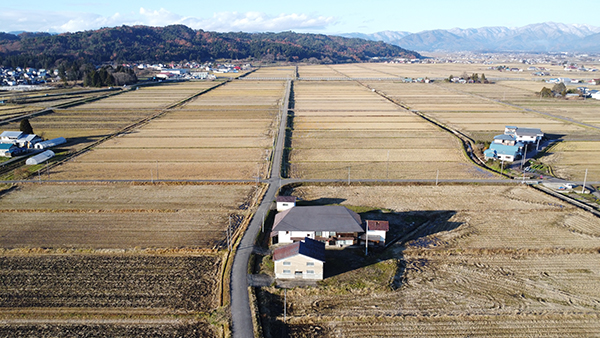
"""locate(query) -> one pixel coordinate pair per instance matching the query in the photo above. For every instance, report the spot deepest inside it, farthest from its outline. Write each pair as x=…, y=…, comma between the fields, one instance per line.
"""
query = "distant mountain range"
x=541, y=37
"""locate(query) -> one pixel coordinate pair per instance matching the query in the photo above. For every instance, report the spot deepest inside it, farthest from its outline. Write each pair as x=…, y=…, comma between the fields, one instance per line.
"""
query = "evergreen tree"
x=26, y=127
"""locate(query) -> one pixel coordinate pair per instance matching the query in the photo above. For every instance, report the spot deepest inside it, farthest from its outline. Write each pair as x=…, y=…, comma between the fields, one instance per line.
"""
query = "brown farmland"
x=486, y=261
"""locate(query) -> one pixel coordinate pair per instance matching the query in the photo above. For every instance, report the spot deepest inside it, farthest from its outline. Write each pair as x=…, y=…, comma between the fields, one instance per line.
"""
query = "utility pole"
x=584, y=179
x=437, y=176
x=387, y=170
x=348, y=175
x=262, y=227
x=502, y=167
x=367, y=238
x=284, y=305
x=151, y=177
x=524, y=156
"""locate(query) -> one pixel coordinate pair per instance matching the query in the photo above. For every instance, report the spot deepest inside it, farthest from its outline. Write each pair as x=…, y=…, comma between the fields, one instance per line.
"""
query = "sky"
x=307, y=16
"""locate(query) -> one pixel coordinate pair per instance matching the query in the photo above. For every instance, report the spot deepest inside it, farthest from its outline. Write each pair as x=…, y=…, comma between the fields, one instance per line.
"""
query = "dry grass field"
x=500, y=261
x=317, y=71
x=85, y=124
x=226, y=133
x=475, y=115
x=131, y=260
x=119, y=215
x=273, y=72
x=571, y=159
x=343, y=128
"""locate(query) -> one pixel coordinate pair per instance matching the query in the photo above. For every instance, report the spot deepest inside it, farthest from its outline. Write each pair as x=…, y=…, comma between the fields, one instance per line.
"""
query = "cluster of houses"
x=510, y=145
x=301, y=234
x=15, y=143
x=25, y=76
x=567, y=81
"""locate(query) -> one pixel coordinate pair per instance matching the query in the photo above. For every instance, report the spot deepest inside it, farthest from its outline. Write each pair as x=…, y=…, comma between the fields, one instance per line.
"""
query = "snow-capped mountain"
x=541, y=37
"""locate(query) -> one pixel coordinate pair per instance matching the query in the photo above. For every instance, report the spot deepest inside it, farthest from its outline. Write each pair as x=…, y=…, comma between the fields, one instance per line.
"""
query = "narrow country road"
x=241, y=316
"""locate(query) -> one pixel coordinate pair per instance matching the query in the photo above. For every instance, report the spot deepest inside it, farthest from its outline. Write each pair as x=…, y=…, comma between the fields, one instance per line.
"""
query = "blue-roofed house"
x=9, y=150
x=504, y=152
x=304, y=260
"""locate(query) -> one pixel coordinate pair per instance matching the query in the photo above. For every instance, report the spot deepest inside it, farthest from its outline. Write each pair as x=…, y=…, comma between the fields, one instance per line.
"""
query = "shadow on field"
x=416, y=226
x=73, y=141
x=320, y=201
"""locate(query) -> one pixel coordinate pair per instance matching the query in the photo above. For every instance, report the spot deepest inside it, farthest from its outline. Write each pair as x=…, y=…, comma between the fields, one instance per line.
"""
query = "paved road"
x=241, y=316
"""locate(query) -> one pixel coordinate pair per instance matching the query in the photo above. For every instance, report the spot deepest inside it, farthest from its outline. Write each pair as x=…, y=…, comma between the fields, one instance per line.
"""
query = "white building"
x=377, y=231
x=332, y=224
x=285, y=202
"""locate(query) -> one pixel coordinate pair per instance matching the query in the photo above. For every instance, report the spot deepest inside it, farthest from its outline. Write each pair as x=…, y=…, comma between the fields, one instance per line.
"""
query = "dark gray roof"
x=529, y=132
x=309, y=247
x=286, y=198
x=318, y=218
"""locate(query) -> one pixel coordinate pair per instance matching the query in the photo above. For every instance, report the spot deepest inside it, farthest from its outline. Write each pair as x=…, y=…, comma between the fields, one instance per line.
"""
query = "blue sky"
x=301, y=16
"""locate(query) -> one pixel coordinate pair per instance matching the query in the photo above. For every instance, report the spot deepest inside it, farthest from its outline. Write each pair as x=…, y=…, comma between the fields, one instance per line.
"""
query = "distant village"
x=21, y=78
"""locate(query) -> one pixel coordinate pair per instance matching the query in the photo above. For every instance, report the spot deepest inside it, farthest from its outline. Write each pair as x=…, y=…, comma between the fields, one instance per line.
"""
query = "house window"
x=310, y=263
x=287, y=271
x=332, y=233
x=310, y=272
x=319, y=233
x=287, y=263
x=285, y=204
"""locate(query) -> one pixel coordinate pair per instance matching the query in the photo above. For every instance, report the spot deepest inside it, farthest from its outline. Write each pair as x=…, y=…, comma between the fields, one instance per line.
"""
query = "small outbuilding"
x=40, y=158
x=285, y=202
x=376, y=231
x=303, y=260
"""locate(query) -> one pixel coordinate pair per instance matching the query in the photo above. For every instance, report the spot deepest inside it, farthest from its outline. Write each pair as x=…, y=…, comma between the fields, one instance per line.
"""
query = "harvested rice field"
x=343, y=129
x=130, y=260
x=500, y=261
x=477, y=116
x=122, y=216
x=226, y=133
x=319, y=71
x=570, y=160
x=285, y=72
x=88, y=123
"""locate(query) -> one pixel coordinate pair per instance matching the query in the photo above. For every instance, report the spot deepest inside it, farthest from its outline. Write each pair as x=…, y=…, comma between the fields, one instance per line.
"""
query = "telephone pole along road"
x=241, y=316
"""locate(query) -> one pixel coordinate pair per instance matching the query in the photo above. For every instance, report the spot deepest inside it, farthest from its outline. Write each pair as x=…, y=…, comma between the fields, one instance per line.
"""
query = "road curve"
x=241, y=316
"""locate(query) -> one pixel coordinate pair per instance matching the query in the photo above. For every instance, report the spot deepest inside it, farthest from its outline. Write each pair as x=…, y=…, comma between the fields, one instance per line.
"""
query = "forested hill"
x=178, y=42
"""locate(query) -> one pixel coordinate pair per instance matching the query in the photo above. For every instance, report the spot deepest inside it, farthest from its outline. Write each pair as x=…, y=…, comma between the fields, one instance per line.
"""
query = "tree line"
x=179, y=43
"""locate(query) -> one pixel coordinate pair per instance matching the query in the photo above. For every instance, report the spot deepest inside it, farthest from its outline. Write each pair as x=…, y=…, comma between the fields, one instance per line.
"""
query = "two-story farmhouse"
x=304, y=259
x=332, y=224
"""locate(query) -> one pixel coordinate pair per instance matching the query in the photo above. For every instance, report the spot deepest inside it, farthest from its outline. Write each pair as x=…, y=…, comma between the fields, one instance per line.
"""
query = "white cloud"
x=15, y=20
